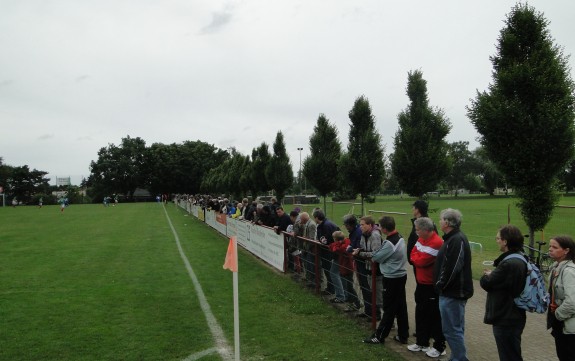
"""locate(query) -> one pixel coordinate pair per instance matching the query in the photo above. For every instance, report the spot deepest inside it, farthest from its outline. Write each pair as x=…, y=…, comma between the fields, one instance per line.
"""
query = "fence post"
x=317, y=267
x=373, y=295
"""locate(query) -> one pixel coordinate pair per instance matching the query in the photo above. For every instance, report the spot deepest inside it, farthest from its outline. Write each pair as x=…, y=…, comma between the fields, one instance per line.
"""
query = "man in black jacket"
x=453, y=282
x=282, y=220
x=325, y=229
x=419, y=209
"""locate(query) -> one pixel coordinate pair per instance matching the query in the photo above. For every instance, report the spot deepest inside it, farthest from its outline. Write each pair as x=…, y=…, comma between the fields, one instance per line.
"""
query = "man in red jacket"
x=427, y=316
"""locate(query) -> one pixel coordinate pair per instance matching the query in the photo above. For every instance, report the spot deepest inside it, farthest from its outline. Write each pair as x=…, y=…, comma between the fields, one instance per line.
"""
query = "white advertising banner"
x=261, y=241
x=211, y=218
x=268, y=245
x=240, y=229
x=195, y=210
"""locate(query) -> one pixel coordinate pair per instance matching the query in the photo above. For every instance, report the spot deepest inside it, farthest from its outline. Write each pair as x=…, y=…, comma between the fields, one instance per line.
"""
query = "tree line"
x=28, y=186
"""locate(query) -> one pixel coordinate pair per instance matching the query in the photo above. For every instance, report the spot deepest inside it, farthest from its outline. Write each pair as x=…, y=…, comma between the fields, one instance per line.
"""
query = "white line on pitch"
x=222, y=346
x=199, y=355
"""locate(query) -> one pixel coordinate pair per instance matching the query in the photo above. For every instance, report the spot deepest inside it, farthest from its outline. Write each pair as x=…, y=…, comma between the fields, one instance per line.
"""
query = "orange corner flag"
x=231, y=261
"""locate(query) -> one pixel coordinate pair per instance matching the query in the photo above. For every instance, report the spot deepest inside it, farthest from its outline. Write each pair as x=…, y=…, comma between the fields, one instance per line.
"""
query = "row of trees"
x=194, y=167
x=21, y=182
x=190, y=167
x=28, y=186
x=160, y=168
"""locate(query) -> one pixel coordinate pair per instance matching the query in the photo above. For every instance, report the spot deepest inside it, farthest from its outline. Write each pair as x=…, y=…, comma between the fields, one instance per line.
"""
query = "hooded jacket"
x=370, y=242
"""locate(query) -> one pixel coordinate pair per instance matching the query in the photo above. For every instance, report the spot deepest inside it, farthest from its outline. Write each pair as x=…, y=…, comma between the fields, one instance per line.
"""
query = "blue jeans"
x=453, y=324
x=508, y=340
x=338, y=286
x=364, y=278
x=350, y=294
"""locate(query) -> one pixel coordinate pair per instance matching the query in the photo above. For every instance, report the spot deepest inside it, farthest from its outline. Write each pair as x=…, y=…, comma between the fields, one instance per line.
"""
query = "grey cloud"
x=81, y=78
x=219, y=20
x=46, y=137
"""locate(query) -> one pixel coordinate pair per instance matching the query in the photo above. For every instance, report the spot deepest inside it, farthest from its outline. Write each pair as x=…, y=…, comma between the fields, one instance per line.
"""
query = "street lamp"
x=300, y=149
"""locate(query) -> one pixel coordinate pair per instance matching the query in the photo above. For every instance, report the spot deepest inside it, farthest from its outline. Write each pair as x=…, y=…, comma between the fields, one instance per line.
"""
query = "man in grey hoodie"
x=392, y=260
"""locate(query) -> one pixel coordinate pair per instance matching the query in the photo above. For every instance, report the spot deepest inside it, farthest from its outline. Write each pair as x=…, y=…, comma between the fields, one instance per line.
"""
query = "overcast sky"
x=76, y=76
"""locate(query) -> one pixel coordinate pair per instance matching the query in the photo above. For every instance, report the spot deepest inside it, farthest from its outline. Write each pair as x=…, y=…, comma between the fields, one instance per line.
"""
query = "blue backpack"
x=534, y=297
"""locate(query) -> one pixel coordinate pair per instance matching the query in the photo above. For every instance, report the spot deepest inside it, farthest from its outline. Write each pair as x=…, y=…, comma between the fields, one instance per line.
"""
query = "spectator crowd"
x=364, y=268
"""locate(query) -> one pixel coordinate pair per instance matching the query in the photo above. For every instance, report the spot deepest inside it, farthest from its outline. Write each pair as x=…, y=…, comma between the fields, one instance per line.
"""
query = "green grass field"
x=97, y=283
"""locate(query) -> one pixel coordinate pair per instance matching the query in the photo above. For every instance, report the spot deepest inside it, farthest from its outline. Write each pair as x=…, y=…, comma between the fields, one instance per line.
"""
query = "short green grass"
x=97, y=283
x=93, y=283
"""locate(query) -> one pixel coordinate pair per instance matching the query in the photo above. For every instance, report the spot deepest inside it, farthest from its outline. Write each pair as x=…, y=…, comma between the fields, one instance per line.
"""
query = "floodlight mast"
x=300, y=149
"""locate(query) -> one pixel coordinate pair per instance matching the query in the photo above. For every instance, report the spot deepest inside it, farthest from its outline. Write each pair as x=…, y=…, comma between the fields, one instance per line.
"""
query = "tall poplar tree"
x=260, y=159
x=320, y=167
x=525, y=119
x=420, y=161
x=279, y=172
x=362, y=167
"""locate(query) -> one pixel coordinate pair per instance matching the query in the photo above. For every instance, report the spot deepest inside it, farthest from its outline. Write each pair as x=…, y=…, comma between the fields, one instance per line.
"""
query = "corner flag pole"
x=231, y=263
x=236, y=305
x=236, y=316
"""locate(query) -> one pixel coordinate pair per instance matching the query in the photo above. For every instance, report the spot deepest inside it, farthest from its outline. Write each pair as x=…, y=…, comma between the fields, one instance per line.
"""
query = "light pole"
x=300, y=149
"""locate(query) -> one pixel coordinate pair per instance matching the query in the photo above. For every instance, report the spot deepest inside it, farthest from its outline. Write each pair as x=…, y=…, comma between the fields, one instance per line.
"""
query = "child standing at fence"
x=346, y=268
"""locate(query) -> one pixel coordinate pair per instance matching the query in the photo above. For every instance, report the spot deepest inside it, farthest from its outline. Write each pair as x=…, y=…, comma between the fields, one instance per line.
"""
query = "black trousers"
x=394, y=306
x=427, y=317
x=565, y=347
x=508, y=340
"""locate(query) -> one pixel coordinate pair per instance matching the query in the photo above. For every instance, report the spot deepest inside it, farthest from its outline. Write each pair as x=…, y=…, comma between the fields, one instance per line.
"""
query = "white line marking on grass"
x=222, y=346
x=199, y=355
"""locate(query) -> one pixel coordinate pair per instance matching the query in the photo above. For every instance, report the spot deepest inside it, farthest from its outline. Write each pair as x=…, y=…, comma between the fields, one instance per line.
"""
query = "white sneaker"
x=416, y=348
x=434, y=353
